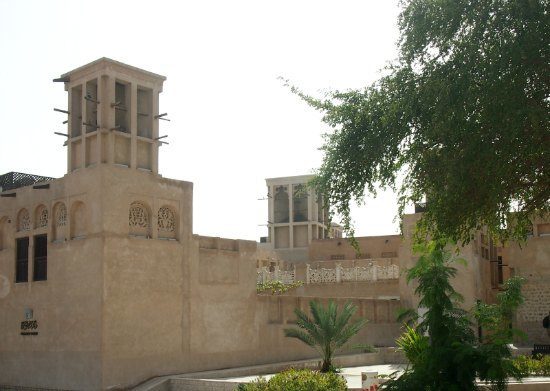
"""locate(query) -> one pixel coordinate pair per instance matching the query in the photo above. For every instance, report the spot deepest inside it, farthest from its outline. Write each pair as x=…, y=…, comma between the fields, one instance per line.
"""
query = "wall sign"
x=29, y=326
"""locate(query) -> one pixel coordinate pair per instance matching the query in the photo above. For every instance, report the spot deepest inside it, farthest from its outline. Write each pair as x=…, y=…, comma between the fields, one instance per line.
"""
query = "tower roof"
x=105, y=62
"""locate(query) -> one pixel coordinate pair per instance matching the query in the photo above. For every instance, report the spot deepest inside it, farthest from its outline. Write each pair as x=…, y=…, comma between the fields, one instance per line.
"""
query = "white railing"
x=330, y=275
x=321, y=276
x=263, y=275
x=347, y=274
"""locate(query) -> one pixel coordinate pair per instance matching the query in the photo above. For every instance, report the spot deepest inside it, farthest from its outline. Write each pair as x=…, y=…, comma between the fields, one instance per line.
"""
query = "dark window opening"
x=22, y=260
x=40, y=258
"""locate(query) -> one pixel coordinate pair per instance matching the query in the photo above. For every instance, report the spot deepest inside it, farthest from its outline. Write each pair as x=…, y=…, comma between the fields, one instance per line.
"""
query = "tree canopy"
x=460, y=119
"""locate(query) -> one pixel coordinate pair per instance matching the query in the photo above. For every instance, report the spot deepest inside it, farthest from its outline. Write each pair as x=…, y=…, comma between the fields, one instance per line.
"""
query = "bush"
x=413, y=344
x=276, y=287
x=298, y=380
x=533, y=366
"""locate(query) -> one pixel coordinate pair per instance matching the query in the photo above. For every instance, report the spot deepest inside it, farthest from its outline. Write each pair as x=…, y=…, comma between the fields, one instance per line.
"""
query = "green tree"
x=460, y=118
x=327, y=330
x=449, y=357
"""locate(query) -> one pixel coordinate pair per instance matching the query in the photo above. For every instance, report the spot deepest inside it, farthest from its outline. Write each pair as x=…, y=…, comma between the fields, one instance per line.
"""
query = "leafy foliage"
x=298, y=380
x=449, y=357
x=277, y=287
x=413, y=344
x=327, y=330
x=407, y=316
x=460, y=119
x=534, y=366
x=495, y=318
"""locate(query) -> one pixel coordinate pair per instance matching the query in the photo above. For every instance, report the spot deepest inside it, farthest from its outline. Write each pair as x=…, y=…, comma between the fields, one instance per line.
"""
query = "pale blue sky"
x=233, y=123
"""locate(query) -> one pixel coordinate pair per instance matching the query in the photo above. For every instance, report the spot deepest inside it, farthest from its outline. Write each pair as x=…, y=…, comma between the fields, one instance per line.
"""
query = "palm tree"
x=327, y=331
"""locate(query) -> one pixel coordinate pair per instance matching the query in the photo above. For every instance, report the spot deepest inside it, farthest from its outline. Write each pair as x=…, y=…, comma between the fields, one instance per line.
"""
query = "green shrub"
x=276, y=287
x=298, y=380
x=413, y=344
x=260, y=384
x=533, y=366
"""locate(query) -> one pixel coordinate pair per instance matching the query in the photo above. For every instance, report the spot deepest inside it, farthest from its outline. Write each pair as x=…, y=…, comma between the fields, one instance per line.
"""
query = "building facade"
x=104, y=285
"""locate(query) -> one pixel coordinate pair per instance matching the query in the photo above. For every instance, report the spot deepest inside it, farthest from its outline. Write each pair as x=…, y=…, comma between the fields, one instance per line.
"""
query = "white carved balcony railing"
x=330, y=275
x=348, y=274
x=320, y=276
x=263, y=275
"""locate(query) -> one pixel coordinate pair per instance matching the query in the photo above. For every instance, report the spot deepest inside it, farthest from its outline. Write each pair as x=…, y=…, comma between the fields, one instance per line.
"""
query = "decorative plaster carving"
x=24, y=222
x=43, y=218
x=345, y=274
x=166, y=220
x=138, y=217
x=61, y=216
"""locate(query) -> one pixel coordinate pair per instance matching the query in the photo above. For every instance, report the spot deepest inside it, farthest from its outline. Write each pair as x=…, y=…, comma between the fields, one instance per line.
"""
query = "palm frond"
x=327, y=329
x=301, y=335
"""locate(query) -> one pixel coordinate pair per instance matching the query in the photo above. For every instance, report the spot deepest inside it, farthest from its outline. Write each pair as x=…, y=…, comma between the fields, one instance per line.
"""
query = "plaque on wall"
x=29, y=327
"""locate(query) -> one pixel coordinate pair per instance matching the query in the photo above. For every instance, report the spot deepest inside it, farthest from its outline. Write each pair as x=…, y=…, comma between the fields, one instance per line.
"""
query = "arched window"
x=166, y=223
x=281, y=205
x=23, y=220
x=59, y=222
x=41, y=217
x=139, y=220
x=79, y=220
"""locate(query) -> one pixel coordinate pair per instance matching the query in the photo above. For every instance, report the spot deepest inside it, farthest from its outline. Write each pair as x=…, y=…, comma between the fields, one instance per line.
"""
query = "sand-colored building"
x=103, y=283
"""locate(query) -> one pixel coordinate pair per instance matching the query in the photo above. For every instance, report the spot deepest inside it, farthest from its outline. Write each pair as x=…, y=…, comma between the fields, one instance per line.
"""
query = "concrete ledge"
x=382, y=356
x=166, y=383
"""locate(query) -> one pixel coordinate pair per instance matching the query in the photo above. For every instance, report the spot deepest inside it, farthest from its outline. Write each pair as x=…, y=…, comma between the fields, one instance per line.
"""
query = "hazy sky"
x=233, y=122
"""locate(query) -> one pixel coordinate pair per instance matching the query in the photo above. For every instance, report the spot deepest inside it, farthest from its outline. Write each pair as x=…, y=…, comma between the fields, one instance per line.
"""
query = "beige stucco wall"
x=468, y=282
x=369, y=247
x=531, y=260
x=67, y=307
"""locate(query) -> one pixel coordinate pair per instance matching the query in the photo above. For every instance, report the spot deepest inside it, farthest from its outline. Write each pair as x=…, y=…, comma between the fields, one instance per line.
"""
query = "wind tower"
x=296, y=216
x=113, y=116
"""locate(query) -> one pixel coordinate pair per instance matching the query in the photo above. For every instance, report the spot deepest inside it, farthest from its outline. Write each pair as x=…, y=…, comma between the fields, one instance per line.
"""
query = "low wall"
x=200, y=381
x=195, y=385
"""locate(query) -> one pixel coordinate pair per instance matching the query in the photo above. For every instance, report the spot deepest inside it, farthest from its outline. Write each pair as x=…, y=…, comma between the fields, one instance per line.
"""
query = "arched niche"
x=166, y=223
x=79, y=220
x=280, y=205
x=41, y=217
x=59, y=222
x=300, y=203
x=23, y=220
x=139, y=219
